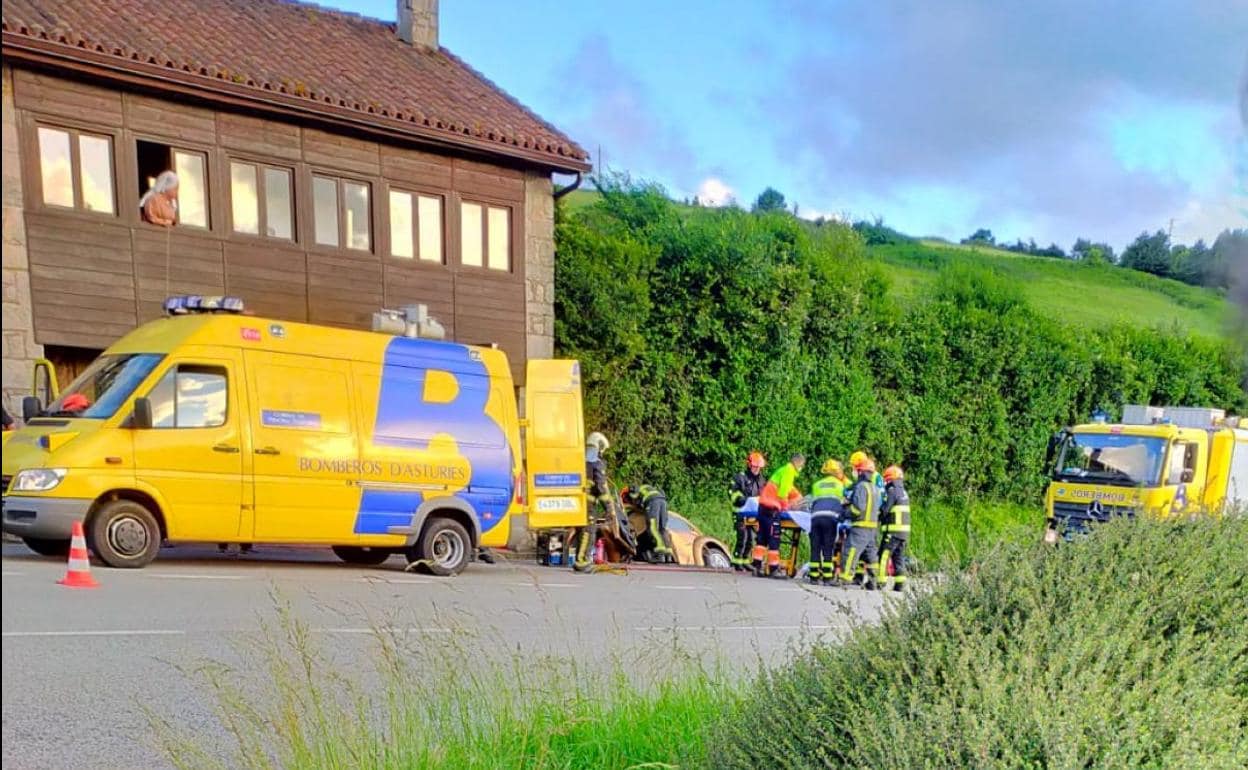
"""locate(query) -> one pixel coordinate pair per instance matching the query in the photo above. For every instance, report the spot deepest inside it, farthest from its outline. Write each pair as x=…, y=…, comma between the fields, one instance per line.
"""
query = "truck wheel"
x=124, y=534
x=47, y=546
x=715, y=559
x=445, y=547
x=352, y=554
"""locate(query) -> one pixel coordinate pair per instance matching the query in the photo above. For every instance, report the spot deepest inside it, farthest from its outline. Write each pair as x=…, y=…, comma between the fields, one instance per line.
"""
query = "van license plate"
x=557, y=505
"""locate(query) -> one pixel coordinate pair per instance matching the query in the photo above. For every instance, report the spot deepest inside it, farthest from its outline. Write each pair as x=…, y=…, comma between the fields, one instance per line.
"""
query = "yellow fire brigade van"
x=210, y=425
x=1162, y=461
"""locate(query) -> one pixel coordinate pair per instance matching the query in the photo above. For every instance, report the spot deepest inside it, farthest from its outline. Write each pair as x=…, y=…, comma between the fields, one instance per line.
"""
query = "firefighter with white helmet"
x=598, y=497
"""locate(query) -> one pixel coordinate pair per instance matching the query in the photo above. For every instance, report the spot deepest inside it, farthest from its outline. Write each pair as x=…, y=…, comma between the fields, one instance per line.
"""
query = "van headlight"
x=37, y=479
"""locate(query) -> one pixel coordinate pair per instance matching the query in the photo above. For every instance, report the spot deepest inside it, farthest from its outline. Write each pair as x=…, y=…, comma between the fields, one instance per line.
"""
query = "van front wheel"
x=124, y=534
x=445, y=547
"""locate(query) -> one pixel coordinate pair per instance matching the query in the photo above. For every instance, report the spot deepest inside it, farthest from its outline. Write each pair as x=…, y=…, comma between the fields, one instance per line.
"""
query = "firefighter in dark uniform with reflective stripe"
x=653, y=501
x=864, y=514
x=826, y=509
x=598, y=501
x=894, y=527
x=746, y=487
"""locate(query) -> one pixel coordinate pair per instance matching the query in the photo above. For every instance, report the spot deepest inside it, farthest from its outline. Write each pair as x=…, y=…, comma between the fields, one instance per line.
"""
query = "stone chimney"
x=418, y=23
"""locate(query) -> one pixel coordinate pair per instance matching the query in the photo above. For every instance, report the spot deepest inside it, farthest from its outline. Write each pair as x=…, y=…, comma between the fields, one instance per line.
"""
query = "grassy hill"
x=1081, y=294
x=1084, y=295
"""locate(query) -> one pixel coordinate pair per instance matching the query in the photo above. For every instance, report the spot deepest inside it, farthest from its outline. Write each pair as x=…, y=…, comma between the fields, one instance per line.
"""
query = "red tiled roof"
x=316, y=58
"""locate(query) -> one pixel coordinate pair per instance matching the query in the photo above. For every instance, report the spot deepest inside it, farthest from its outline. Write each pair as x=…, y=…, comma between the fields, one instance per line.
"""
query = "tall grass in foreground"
x=1126, y=649
x=465, y=700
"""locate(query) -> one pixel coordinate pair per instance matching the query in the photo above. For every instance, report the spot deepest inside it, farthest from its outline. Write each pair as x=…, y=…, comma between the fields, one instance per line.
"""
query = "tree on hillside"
x=1202, y=265
x=1149, y=254
x=877, y=233
x=770, y=199
x=981, y=237
x=1085, y=250
x=1052, y=250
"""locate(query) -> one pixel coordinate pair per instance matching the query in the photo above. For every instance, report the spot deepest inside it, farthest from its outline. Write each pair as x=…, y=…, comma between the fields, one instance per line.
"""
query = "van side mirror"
x=30, y=408
x=141, y=418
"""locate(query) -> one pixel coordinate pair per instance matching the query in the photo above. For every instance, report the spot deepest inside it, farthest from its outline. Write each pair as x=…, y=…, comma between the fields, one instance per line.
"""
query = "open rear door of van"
x=554, y=443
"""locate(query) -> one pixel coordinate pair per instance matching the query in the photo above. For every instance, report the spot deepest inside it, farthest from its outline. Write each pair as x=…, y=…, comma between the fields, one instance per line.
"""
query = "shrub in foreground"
x=1126, y=649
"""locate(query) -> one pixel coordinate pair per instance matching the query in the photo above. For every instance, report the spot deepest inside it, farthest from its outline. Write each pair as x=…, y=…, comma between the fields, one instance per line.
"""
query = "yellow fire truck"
x=1162, y=461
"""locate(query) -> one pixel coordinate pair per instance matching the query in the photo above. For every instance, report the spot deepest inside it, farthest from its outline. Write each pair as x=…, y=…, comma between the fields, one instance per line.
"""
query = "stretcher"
x=793, y=523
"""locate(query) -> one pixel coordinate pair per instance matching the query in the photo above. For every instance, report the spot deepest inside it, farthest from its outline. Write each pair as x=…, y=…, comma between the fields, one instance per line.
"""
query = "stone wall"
x=539, y=265
x=19, y=346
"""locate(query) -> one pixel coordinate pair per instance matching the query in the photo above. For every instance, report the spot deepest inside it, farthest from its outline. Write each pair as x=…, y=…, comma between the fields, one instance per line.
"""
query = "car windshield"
x=1111, y=458
x=105, y=385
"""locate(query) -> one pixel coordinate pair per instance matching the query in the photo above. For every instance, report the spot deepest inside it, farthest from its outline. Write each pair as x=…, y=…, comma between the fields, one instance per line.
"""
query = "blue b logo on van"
x=406, y=420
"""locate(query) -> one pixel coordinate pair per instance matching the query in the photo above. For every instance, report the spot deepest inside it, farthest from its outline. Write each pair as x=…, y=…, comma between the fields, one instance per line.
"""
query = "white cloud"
x=715, y=192
x=1205, y=219
x=831, y=216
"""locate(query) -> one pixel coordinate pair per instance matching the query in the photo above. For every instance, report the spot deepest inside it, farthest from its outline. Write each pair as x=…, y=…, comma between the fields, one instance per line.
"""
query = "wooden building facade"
x=307, y=213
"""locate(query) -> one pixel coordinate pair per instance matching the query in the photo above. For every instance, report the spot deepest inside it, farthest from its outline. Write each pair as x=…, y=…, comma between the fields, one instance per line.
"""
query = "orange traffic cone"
x=78, y=575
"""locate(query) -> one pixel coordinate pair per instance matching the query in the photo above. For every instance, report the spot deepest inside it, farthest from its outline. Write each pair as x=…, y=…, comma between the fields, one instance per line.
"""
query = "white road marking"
x=381, y=629
x=116, y=632
x=8, y=573
x=731, y=628
x=683, y=588
x=186, y=576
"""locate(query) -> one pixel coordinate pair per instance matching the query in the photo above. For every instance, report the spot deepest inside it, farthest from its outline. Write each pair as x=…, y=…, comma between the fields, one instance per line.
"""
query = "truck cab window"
x=190, y=396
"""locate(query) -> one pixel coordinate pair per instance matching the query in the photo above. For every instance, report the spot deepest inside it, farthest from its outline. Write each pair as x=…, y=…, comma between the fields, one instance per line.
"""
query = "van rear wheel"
x=124, y=534
x=353, y=554
x=47, y=546
x=445, y=547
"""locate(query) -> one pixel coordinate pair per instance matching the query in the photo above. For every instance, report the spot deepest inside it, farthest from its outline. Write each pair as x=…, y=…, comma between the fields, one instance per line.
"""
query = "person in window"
x=160, y=204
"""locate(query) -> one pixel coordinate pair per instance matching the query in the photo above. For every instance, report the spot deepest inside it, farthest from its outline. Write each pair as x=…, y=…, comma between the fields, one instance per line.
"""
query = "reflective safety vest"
x=648, y=493
x=828, y=497
x=780, y=491
x=895, y=514
x=865, y=504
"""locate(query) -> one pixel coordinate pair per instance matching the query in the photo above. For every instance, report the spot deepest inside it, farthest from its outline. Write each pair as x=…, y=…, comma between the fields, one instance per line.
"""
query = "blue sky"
x=1044, y=120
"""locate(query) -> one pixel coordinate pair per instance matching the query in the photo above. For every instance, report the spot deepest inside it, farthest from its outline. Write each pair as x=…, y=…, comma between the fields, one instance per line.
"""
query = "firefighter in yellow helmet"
x=826, y=509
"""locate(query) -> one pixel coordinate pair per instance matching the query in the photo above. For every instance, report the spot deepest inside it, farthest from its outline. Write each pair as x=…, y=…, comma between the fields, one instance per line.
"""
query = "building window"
x=192, y=170
x=342, y=202
x=416, y=226
x=76, y=170
x=485, y=236
x=260, y=200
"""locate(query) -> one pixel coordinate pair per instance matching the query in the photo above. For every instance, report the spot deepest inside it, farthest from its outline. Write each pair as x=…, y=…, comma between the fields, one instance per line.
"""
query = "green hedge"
x=705, y=333
x=1119, y=651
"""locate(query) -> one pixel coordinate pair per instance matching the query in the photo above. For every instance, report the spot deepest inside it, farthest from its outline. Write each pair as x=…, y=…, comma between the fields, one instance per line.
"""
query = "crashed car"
x=690, y=547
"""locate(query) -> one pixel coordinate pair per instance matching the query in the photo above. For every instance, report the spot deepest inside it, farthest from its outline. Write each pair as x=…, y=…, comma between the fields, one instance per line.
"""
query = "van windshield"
x=105, y=385
x=1111, y=458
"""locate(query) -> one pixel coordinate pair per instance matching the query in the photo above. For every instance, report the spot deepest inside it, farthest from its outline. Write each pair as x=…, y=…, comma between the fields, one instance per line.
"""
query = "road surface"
x=80, y=665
